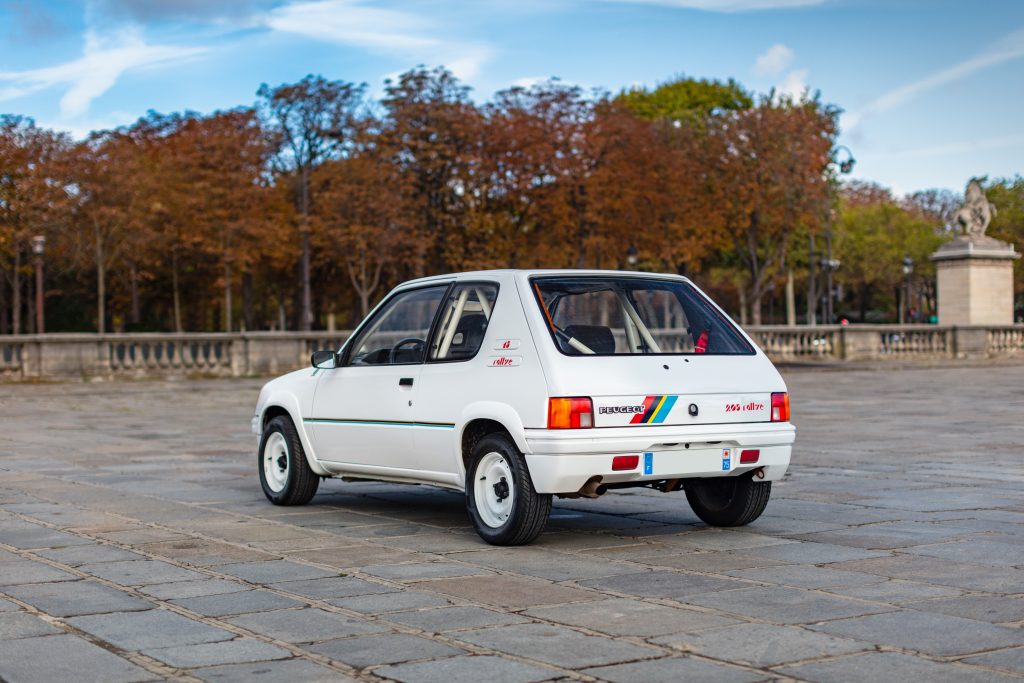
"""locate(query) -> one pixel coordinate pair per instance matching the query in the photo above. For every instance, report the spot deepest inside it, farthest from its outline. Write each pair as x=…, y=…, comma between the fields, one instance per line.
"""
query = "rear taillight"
x=570, y=413
x=780, y=407
x=625, y=462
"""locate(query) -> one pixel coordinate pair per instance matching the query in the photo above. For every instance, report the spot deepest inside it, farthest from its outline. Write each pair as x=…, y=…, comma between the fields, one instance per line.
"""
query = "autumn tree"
x=431, y=132
x=32, y=201
x=309, y=121
x=1008, y=224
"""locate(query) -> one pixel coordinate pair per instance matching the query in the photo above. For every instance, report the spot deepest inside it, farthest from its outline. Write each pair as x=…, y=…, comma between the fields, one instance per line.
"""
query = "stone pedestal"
x=975, y=281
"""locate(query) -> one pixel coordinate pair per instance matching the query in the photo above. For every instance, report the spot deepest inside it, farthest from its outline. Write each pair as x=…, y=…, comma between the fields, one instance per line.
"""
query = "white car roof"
x=506, y=273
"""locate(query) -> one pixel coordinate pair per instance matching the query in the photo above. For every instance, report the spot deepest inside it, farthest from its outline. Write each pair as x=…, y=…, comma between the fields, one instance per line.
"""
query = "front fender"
x=289, y=402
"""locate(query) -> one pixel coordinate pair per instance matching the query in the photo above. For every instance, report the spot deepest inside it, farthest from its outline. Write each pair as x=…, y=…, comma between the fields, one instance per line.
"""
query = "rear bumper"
x=561, y=461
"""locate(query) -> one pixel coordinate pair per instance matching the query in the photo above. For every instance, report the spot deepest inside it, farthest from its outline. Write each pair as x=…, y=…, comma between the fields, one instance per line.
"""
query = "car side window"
x=397, y=334
x=463, y=322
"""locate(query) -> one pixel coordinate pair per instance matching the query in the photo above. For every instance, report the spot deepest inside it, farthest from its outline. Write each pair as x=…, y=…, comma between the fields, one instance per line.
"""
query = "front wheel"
x=284, y=472
x=500, y=498
x=728, y=501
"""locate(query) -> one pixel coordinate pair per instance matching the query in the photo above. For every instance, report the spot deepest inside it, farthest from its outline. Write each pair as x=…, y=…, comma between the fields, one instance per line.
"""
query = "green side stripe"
x=379, y=423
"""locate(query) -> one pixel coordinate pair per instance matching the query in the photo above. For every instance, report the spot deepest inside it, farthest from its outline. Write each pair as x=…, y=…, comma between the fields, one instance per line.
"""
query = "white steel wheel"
x=493, y=491
x=276, y=462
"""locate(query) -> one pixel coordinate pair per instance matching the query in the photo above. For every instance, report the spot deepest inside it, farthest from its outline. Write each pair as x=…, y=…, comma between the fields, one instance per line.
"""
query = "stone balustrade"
x=89, y=356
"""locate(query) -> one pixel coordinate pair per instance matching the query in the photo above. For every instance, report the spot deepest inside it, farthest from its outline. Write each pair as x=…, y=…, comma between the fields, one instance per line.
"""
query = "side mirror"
x=325, y=360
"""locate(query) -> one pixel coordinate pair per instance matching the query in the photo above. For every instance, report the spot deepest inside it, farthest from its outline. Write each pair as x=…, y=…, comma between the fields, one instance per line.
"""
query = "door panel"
x=363, y=412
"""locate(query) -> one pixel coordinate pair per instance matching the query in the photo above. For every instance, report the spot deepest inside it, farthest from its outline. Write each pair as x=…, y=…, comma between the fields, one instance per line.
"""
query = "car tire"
x=500, y=498
x=284, y=471
x=728, y=501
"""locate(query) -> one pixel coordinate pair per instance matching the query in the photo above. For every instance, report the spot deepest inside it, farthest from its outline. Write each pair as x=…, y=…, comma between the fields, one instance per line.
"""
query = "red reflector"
x=780, y=407
x=625, y=462
x=749, y=456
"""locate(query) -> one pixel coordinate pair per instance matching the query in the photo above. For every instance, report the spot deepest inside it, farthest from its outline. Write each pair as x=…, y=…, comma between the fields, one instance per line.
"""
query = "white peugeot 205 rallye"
x=515, y=386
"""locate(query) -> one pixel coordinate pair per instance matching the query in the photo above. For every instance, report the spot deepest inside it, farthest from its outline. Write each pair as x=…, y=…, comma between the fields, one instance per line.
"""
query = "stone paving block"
x=453, y=618
x=212, y=654
x=626, y=617
x=1008, y=660
x=807, y=576
x=7, y=605
x=806, y=552
x=976, y=551
x=506, y=591
x=723, y=539
x=140, y=572
x=663, y=584
x=712, y=562
x=762, y=645
x=940, y=571
x=74, y=556
x=355, y=556
x=204, y=553
x=891, y=666
x=418, y=571
x=243, y=602
x=545, y=564
x=304, y=625
x=383, y=649
x=289, y=670
x=18, y=572
x=557, y=645
x=76, y=598
x=889, y=535
x=274, y=571
x=934, y=634
x=192, y=589
x=152, y=629
x=42, y=537
x=785, y=605
x=673, y=670
x=995, y=609
x=33, y=659
x=390, y=602
x=895, y=591
x=333, y=587
x=466, y=669
x=141, y=535
x=23, y=625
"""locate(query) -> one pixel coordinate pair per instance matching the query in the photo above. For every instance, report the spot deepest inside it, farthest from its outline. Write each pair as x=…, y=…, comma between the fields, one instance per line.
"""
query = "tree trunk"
x=227, y=293
x=790, y=299
x=743, y=305
x=247, y=313
x=101, y=285
x=174, y=288
x=306, y=314
x=4, y=320
x=755, y=307
x=30, y=307
x=133, y=280
x=16, y=295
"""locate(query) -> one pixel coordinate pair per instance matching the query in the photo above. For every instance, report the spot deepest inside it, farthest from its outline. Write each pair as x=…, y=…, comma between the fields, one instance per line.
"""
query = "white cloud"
x=1009, y=48
x=794, y=84
x=729, y=6
x=774, y=60
x=384, y=31
x=104, y=60
x=528, y=82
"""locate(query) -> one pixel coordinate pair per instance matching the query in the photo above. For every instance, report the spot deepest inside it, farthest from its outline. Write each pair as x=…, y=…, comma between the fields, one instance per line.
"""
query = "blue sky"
x=933, y=91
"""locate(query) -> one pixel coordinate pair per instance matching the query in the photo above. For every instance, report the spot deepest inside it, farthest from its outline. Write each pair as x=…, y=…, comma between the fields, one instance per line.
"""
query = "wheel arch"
x=481, y=419
x=288, y=406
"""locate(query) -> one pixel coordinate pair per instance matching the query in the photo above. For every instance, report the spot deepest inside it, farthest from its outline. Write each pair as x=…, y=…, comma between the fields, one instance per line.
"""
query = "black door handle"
x=405, y=382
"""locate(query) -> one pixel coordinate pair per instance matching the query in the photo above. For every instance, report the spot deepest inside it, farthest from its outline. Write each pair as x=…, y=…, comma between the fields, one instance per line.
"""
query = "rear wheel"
x=284, y=472
x=500, y=498
x=728, y=501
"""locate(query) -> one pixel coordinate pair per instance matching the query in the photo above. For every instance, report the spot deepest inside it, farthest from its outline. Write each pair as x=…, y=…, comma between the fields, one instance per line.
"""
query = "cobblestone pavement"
x=135, y=544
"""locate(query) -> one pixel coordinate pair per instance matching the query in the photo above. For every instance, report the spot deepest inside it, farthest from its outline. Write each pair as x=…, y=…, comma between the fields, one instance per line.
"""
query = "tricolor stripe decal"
x=656, y=409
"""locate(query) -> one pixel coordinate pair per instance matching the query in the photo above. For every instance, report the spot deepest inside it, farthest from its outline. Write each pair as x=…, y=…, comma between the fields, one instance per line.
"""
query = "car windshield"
x=611, y=316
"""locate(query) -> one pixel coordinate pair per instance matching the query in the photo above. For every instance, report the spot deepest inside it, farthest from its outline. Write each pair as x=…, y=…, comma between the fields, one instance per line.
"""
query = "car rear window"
x=612, y=316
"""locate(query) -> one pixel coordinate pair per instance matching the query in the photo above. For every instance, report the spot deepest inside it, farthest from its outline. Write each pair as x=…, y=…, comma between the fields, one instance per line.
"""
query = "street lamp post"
x=845, y=167
x=38, y=245
x=908, y=269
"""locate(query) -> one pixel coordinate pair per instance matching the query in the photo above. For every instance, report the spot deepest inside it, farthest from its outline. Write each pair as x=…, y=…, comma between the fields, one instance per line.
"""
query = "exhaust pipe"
x=593, y=488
